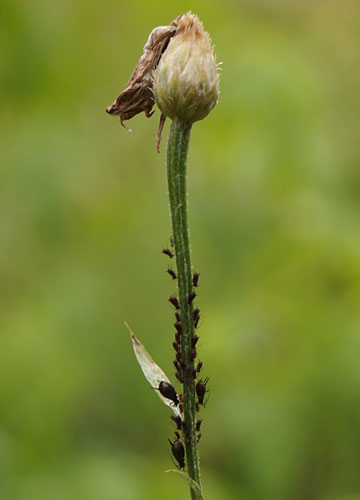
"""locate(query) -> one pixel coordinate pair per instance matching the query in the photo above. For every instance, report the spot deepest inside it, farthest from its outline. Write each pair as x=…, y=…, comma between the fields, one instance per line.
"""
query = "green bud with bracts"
x=186, y=80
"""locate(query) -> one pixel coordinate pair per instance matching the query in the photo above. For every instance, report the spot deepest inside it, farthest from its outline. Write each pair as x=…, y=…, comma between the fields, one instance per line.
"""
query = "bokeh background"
x=274, y=209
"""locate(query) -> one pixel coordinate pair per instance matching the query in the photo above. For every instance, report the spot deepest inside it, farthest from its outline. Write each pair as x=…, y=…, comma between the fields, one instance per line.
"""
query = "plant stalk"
x=176, y=170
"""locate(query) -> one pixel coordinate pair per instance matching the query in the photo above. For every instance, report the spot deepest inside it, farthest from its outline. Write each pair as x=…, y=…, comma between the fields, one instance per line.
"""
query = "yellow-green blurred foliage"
x=274, y=210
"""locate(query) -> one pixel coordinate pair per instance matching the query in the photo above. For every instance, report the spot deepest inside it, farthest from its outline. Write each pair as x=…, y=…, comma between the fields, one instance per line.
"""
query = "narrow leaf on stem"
x=193, y=484
x=153, y=373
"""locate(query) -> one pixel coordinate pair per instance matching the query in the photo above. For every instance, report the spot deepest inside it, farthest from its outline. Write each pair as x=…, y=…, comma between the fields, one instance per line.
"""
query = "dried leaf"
x=138, y=95
x=193, y=484
x=153, y=373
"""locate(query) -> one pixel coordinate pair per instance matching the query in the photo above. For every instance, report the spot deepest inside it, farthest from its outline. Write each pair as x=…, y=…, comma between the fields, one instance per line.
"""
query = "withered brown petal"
x=138, y=95
x=133, y=100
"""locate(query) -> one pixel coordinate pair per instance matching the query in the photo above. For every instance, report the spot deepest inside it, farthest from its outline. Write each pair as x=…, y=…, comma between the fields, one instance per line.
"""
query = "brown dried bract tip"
x=138, y=95
x=159, y=132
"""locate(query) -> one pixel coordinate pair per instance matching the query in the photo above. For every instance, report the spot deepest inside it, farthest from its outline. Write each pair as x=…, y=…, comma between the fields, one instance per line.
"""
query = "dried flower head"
x=178, y=70
x=186, y=81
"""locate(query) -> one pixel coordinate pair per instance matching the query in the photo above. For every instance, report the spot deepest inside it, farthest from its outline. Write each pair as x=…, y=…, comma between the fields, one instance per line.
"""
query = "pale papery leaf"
x=153, y=373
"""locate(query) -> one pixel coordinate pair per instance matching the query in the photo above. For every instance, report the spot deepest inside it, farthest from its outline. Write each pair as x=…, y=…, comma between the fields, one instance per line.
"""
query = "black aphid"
x=177, y=449
x=178, y=328
x=199, y=366
x=179, y=357
x=176, y=346
x=168, y=391
x=177, y=316
x=179, y=376
x=201, y=390
x=193, y=354
x=194, y=340
x=174, y=301
x=196, y=317
x=196, y=279
x=181, y=408
x=168, y=252
x=198, y=425
x=172, y=273
x=176, y=364
x=191, y=297
x=177, y=421
x=194, y=373
x=177, y=337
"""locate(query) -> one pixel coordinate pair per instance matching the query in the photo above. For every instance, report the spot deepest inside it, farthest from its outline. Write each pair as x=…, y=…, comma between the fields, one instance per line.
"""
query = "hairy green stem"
x=176, y=170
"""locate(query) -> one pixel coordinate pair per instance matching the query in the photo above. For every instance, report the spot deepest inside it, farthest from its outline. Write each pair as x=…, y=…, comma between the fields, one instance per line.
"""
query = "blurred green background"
x=274, y=209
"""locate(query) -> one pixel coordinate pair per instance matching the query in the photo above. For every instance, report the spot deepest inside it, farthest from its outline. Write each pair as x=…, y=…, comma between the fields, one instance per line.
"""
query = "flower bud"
x=186, y=82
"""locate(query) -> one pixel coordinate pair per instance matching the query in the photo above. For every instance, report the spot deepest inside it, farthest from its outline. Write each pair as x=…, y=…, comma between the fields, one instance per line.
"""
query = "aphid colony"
x=169, y=392
x=186, y=372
